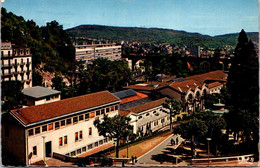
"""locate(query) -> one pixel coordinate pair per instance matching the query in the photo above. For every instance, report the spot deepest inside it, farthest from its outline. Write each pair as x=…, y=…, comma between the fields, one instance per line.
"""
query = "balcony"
x=6, y=65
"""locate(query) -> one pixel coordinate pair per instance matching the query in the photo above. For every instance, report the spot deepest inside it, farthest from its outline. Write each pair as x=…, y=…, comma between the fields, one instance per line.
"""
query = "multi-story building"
x=90, y=52
x=16, y=64
x=65, y=127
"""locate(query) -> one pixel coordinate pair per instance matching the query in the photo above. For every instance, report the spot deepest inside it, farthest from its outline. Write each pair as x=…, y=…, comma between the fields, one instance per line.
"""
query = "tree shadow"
x=165, y=158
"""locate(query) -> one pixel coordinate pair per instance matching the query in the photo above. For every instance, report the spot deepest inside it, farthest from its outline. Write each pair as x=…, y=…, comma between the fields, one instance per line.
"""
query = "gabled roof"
x=216, y=75
x=148, y=86
x=184, y=86
x=33, y=114
x=214, y=84
x=147, y=106
x=39, y=92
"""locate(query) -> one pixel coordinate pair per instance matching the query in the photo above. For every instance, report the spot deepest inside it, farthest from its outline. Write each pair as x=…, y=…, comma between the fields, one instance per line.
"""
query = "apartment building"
x=66, y=127
x=16, y=64
x=110, y=51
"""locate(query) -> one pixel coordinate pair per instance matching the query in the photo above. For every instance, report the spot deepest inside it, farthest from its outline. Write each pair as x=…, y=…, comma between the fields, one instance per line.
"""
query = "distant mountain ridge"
x=159, y=35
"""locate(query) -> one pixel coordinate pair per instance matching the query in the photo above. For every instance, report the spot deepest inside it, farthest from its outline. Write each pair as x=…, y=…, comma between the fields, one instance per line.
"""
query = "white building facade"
x=16, y=64
x=88, y=53
x=65, y=127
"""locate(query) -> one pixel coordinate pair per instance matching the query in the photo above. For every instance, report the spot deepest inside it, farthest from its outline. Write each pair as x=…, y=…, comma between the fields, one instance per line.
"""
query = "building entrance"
x=48, y=149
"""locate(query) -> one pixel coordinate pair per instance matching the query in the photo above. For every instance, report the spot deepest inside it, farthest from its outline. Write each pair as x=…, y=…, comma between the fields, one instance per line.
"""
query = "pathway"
x=159, y=150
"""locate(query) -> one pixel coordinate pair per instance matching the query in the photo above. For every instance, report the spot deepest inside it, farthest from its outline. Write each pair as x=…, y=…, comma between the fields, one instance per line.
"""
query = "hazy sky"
x=211, y=17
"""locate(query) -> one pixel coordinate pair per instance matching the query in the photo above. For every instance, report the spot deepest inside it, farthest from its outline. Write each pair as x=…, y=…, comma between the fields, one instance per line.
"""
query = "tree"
x=11, y=94
x=57, y=83
x=174, y=106
x=242, y=86
x=190, y=129
x=37, y=78
x=114, y=127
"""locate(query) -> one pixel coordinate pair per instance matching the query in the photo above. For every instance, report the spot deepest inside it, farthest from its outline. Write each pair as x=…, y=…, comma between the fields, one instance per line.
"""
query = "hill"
x=154, y=35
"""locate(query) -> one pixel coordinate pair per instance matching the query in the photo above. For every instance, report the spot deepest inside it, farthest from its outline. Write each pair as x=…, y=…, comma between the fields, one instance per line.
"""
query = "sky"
x=208, y=17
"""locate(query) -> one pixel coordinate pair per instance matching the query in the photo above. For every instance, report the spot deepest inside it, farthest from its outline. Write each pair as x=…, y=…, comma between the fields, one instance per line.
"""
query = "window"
x=44, y=128
x=102, y=111
x=100, y=142
x=60, y=141
x=110, y=138
x=68, y=121
x=84, y=149
x=76, y=136
x=35, y=150
x=75, y=120
x=62, y=123
x=65, y=140
x=90, y=146
x=96, y=144
x=116, y=107
x=107, y=110
x=80, y=135
x=57, y=125
x=92, y=114
x=78, y=151
x=30, y=132
x=72, y=153
x=67, y=154
x=139, y=117
x=50, y=126
x=98, y=113
x=147, y=114
x=48, y=98
x=37, y=130
x=112, y=108
x=81, y=117
x=87, y=116
x=105, y=140
x=162, y=120
x=90, y=131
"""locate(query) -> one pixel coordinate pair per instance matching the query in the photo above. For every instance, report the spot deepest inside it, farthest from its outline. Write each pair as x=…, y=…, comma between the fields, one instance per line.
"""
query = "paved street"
x=147, y=158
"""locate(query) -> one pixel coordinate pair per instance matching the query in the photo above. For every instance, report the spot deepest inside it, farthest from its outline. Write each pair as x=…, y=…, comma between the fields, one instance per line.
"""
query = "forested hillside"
x=154, y=35
x=43, y=41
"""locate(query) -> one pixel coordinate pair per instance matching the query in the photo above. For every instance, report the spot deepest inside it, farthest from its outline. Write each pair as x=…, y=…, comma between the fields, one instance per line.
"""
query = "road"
x=159, y=149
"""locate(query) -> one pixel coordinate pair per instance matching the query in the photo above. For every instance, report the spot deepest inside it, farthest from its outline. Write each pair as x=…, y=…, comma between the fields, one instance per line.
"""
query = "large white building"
x=66, y=127
x=16, y=64
x=89, y=52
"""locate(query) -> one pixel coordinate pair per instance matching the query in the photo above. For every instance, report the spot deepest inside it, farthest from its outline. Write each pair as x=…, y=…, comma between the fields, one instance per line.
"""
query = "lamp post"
x=127, y=147
x=208, y=139
x=43, y=147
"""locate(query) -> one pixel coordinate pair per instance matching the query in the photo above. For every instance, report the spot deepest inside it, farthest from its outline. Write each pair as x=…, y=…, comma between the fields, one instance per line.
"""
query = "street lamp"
x=43, y=149
x=208, y=139
x=127, y=147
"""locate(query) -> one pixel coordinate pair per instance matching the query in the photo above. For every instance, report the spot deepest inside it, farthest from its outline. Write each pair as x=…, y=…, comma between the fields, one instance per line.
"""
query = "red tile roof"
x=214, y=84
x=216, y=75
x=148, y=86
x=42, y=112
x=147, y=106
x=123, y=113
x=132, y=98
x=184, y=86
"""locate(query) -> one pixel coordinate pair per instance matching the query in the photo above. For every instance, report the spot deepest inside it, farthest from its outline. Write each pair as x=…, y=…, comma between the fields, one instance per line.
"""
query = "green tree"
x=191, y=129
x=57, y=83
x=243, y=87
x=116, y=127
x=11, y=94
x=174, y=106
x=37, y=78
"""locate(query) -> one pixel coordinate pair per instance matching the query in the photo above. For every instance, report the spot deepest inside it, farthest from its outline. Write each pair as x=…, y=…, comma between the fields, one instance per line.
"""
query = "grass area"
x=139, y=148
